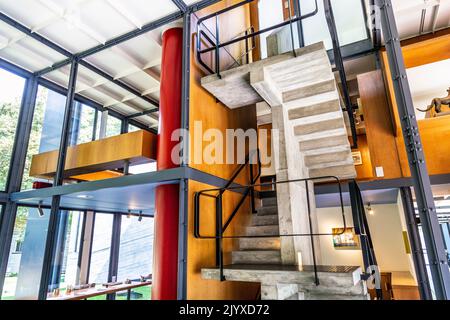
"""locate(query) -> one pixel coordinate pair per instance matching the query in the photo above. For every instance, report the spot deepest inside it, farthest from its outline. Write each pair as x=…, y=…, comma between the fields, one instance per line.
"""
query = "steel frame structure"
x=12, y=197
x=439, y=267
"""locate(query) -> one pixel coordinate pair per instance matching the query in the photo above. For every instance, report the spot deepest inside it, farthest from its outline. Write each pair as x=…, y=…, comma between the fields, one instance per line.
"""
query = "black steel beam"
x=58, y=181
x=8, y=66
x=184, y=183
x=15, y=172
x=113, y=268
x=340, y=66
x=420, y=265
x=79, y=98
x=142, y=113
x=424, y=196
x=298, y=13
x=181, y=5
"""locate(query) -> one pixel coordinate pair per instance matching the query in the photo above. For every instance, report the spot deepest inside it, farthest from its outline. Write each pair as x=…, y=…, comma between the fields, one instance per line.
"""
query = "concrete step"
x=268, y=202
x=269, y=210
x=267, y=194
x=315, y=109
x=326, y=151
x=329, y=296
x=341, y=278
x=332, y=164
x=318, y=123
x=308, y=91
x=326, y=158
x=259, y=243
x=264, y=220
x=342, y=172
x=256, y=257
x=262, y=230
x=324, y=139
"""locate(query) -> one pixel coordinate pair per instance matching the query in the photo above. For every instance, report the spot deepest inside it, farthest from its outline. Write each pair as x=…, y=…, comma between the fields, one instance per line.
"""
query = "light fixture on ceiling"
x=84, y=196
x=370, y=209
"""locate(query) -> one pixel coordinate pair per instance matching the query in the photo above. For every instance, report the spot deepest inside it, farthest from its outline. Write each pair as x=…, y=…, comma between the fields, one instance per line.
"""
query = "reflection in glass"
x=26, y=254
x=11, y=90
x=101, y=246
x=46, y=129
x=113, y=126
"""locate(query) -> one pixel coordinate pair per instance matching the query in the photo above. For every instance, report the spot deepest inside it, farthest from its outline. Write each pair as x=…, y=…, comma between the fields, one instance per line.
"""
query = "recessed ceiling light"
x=84, y=196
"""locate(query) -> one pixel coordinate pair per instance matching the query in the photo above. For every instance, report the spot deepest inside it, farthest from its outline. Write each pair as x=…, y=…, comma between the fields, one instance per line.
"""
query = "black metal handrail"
x=361, y=226
x=219, y=236
x=217, y=45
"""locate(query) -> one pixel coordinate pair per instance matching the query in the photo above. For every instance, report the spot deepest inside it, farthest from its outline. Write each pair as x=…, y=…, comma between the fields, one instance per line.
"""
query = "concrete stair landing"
x=259, y=260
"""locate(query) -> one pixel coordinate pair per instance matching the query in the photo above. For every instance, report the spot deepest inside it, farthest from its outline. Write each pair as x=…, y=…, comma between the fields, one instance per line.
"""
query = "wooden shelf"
x=97, y=159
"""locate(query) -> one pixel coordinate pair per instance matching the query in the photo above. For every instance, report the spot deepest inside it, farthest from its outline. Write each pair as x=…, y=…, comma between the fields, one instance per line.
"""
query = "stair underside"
x=346, y=278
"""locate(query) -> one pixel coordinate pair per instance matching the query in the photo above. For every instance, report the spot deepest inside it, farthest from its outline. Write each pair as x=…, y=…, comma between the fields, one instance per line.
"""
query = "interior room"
x=224, y=150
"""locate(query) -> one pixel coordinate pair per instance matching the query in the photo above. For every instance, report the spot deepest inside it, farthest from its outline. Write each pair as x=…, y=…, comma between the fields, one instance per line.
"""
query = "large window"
x=113, y=126
x=11, y=90
x=101, y=247
x=46, y=129
x=136, y=253
x=349, y=30
x=26, y=254
x=84, y=124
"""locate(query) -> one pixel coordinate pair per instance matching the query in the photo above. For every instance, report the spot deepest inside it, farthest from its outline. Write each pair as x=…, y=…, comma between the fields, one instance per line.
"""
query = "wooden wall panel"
x=201, y=253
x=379, y=130
x=211, y=114
x=417, y=52
x=436, y=146
x=365, y=170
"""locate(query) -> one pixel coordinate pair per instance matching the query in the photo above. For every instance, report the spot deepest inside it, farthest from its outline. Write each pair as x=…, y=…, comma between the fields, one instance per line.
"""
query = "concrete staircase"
x=300, y=96
x=305, y=88
x=259, y=260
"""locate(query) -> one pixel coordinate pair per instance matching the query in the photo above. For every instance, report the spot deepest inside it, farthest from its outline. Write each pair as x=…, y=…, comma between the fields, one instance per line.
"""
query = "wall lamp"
x=370, y=209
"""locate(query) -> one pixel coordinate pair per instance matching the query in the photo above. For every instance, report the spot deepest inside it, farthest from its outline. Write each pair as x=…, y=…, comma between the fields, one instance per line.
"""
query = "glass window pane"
x=11, y=90
x=84, y=121
x=46, y=129
x=26, y=254
x=66, y=271
x=136, y=248
x=101, y=246
x=132, y=128
x=113, y=126
x=350, y=30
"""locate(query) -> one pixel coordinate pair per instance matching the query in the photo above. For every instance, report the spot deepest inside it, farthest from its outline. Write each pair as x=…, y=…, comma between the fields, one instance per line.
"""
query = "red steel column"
x=165, y=255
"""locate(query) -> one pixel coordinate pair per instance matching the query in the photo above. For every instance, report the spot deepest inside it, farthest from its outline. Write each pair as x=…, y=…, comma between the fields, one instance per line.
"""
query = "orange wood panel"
x=254, y=22
x=406, y=292
x=379, y=130
x=205, y=110
x=105, y=154
x=364, y=171
x=201, y=252
x=435, y=146
x=101, y=175
x=416, y=52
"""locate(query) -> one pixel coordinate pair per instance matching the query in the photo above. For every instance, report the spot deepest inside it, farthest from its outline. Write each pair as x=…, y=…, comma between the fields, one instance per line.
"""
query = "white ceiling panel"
x=142, y=81
x=31, y=13
x=146, y=11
